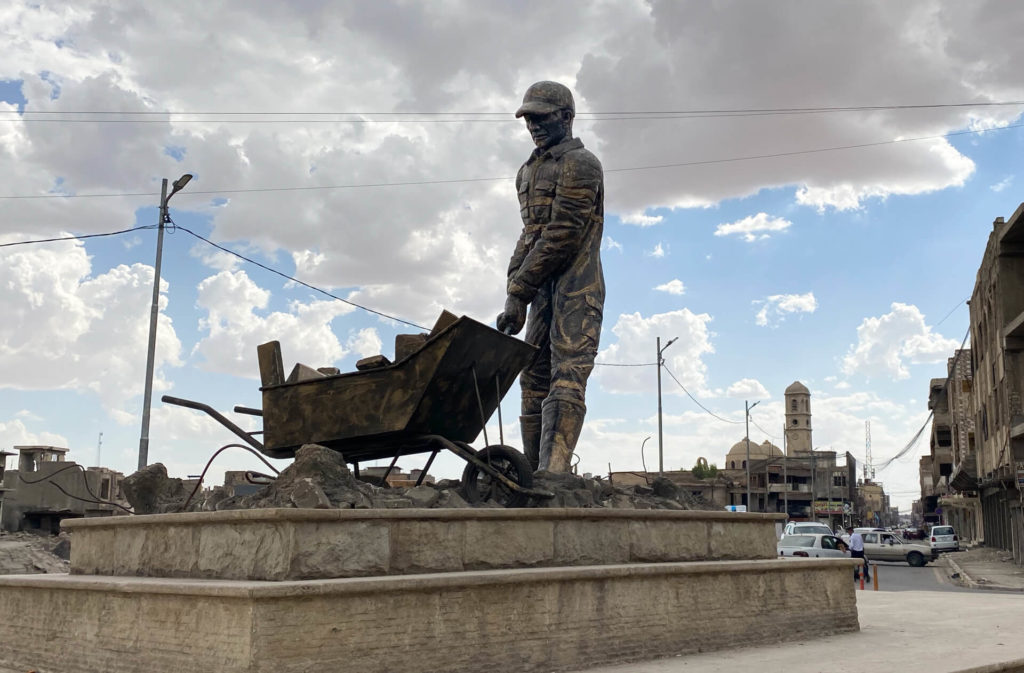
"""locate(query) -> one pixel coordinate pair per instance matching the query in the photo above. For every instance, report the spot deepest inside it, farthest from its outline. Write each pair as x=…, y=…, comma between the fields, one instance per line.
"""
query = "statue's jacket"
x=561, y=199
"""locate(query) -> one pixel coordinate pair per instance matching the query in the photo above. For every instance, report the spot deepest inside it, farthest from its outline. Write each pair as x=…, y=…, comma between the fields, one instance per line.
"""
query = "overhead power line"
x=304, y=284
x=78, y=237
x=917, y=435
x=770, y=435
x=695, y=400
x=176, y=227
x=410, y=183
x=250, y=116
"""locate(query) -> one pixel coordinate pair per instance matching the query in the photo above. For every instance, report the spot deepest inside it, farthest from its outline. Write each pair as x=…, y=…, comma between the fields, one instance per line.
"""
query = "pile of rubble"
x=319, y=478
x=29, y=553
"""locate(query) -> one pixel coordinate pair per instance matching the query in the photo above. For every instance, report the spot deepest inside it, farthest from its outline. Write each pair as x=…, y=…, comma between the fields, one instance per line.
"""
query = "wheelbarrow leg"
x=426, y=468
x=398, y=452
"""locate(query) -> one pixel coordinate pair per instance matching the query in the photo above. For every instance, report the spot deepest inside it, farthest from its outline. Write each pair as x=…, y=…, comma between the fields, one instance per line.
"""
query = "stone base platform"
x=495, y=621
x=301, y=544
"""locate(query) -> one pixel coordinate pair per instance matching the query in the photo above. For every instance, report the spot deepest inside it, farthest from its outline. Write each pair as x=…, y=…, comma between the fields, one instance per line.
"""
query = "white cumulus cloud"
x=748, y=389
x=674, y=286
x=754, y=227
x=887, y=344
x=237, y=322
x=636, y=339
x=775, y=307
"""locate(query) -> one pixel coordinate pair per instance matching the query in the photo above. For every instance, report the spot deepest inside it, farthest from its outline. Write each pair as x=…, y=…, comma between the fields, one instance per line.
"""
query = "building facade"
x=997, y=344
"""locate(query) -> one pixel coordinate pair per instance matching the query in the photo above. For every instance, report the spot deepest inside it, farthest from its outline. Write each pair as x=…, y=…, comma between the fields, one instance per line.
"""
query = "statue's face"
x=547, y=130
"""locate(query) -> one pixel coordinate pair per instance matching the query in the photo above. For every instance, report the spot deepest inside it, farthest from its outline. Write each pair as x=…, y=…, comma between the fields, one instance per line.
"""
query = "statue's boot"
x=529, y=427
x=560, y=429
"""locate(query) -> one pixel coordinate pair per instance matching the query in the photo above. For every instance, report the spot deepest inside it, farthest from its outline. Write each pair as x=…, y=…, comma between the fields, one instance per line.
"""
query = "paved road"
x=902, y=577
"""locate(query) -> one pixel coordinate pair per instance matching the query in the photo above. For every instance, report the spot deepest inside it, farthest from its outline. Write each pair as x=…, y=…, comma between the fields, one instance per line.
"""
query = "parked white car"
x=812, y=546
x=944, y=538
x=805, y=527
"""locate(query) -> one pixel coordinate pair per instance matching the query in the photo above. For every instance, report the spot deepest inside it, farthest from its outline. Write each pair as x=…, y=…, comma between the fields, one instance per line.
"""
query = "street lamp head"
x=671, y=341
x=179, y=184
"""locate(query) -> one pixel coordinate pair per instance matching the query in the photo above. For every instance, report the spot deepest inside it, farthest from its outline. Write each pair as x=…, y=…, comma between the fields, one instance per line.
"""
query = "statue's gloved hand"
x=511, y=321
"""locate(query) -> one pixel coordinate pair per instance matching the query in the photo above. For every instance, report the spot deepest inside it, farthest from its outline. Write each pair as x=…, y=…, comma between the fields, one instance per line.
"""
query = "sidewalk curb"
x=969, y=582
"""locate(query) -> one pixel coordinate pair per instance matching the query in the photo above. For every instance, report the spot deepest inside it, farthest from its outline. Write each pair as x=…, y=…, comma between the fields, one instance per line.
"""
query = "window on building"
x=792, y=405
x=796, y=422
x=744, y=464
x=732, y=465
x=105, y=489
x=943, y=436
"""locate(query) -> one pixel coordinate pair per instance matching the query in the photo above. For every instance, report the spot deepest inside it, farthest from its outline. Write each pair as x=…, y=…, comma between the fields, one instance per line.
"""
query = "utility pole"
x=154, y=311
x=746, y=416
x=785, y=478
x=661, y=444
x=814, y=492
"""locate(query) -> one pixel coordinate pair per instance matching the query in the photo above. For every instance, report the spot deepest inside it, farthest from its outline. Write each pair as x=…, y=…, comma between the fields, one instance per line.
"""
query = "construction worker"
x=556, y=271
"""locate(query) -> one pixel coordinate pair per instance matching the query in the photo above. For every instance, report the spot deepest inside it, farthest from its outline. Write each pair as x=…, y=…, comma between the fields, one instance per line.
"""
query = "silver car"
x=812, y=546
x=889, y=546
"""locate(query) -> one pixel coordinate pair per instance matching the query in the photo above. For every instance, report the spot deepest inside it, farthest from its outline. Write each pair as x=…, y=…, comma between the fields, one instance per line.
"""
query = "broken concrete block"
x=372, y=362
x=444, y=320
x=307, y=495
x=303, y=372
x=407, y=344
x=423, y=496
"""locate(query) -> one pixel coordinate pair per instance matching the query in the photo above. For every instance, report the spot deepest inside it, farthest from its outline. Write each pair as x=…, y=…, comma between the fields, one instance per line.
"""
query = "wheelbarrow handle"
x=217, y=416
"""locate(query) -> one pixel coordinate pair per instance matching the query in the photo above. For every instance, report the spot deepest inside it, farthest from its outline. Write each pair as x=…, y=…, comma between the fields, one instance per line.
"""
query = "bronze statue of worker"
x=556, y=271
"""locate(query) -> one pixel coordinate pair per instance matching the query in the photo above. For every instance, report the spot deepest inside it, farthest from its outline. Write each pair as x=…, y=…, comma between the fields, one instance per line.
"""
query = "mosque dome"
x=738, y=453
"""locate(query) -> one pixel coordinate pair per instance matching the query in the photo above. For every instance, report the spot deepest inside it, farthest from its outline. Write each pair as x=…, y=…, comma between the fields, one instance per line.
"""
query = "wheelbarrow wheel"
x=478, y=486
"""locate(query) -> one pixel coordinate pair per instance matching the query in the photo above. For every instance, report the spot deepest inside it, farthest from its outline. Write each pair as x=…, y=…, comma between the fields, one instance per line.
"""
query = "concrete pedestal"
x=495, y=621
x=430, y=591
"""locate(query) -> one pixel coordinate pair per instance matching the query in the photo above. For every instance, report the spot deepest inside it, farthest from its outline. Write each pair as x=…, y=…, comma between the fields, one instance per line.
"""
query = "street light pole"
x=746, y=416
x=154, y=312
x=661, y=447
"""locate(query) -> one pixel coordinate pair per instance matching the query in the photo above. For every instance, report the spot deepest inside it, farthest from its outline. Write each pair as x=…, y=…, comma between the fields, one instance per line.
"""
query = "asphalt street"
x=902, y=577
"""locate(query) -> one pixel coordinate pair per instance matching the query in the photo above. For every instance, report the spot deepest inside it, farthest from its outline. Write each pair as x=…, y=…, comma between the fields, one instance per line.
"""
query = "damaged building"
x=47, y=488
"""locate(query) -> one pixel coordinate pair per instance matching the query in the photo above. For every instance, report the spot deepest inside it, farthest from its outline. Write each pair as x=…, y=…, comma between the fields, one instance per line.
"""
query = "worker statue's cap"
x=545, y=97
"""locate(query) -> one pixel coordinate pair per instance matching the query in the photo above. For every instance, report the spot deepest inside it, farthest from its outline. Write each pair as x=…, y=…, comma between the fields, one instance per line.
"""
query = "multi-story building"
x=960, y=505
x=997, y=345
x=929, y=503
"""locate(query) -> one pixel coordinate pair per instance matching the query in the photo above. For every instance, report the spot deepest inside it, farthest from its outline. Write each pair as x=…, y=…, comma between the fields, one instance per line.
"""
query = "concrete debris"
x=29, y=553
x=319, y=478
x=308, y=495
x=151, y=491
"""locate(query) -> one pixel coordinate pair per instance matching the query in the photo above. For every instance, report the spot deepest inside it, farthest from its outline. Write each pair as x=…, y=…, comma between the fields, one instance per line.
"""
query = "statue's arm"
x=560, y=239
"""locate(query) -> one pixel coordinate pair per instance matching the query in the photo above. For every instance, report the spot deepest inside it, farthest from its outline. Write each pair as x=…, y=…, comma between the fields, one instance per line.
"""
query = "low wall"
x=292, y=544
x=515, y=620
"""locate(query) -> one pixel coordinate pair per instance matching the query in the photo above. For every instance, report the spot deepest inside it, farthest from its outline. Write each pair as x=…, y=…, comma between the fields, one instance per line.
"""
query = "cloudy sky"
x=796, y=190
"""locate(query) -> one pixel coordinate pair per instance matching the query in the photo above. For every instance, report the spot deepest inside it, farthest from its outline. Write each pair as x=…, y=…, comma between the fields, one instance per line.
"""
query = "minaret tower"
x=798, y=419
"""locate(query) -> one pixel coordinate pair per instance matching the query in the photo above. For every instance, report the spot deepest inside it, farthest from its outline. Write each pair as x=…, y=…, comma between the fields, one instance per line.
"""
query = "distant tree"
x=702, y=470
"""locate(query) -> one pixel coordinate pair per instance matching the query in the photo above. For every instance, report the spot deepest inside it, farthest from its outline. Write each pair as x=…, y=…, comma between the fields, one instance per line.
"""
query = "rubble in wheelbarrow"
x=319, y=478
